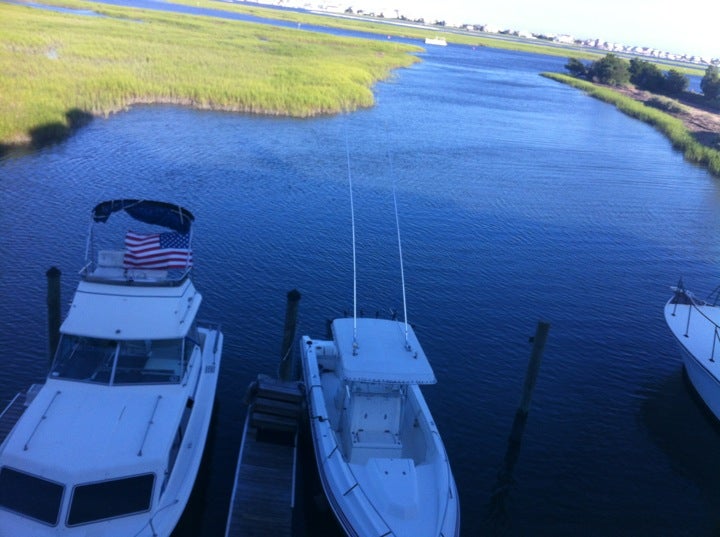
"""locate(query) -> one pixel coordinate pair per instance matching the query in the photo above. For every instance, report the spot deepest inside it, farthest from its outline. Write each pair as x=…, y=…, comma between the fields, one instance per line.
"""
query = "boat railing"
x=109, y=267
x=686, y=298
x=216, y=328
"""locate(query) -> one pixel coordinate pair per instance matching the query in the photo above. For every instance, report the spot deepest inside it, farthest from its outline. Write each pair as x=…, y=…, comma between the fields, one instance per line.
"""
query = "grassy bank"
x=57, y=69
x=671, y=126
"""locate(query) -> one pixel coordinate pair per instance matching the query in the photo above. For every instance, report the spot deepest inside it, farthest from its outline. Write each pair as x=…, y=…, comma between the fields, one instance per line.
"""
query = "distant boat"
x=695, y=324
x=439, y=41
x=111, y=444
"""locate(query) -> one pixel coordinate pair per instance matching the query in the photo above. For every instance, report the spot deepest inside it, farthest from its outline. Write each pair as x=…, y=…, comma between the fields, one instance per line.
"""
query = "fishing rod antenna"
x=352, y=219
x=399, y=241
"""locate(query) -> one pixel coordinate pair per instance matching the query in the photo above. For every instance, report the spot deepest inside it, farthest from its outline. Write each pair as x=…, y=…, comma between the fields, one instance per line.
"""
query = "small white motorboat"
x=380, y=457
x=111, y=444
x=695, y=323
x=437, y=41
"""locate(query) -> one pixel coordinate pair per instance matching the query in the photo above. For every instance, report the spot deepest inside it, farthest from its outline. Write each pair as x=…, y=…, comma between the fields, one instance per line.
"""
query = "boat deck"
x=264, y=491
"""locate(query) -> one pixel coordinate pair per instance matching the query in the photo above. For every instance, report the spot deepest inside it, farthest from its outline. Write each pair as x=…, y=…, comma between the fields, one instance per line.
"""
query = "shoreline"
x=693, y=130
x=700, y=121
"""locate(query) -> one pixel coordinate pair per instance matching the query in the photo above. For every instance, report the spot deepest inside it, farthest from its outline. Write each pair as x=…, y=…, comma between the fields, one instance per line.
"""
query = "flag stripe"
x=157, y=250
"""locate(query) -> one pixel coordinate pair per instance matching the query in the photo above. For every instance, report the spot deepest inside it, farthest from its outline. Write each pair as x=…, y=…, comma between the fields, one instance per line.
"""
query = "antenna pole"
x=402, y=271
x=352, y=215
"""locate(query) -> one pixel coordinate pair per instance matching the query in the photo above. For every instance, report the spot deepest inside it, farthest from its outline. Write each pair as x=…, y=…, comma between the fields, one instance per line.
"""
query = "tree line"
x=615, y=71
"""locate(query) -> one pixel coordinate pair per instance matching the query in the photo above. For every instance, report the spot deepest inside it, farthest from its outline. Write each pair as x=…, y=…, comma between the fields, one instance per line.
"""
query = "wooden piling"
x=53, y=304
x=286, y=370
x=534, y=365
x=497, y=521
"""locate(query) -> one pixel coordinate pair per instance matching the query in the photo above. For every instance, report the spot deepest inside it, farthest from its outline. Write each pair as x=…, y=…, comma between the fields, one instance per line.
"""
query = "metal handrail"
x=10, y=404
x=694, y=304
x=150, y=424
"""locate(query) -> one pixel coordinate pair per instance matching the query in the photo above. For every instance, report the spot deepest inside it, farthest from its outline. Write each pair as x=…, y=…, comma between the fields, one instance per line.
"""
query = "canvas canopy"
x=158, y=213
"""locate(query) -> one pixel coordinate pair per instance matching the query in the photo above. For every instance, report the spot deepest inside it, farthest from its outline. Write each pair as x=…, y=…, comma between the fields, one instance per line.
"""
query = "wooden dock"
x=264, y=492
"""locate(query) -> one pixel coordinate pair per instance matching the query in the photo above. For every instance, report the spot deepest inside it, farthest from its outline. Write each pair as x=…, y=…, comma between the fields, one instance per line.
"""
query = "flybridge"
x=159, y=255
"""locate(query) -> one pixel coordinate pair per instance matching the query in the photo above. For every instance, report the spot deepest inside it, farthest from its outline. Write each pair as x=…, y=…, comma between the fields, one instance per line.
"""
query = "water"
x=520, y=199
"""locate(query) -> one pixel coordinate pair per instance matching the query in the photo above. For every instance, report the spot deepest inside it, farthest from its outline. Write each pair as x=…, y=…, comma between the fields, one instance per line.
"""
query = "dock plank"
x=263, y=491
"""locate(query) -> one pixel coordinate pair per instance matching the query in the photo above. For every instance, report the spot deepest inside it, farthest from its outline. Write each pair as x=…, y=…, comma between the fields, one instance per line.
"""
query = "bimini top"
x=153, y=256
x=382, y=354
x=149, y=212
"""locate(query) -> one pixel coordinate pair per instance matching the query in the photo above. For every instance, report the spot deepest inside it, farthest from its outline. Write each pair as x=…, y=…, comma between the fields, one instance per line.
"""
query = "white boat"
x=695, y=324
x=438, y=41
x=111, y=443
x=381, y=460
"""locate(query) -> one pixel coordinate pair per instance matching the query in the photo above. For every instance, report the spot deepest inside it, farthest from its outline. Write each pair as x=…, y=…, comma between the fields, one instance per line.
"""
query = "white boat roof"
x=114, y=423
x=121, y=312
x=382, y=355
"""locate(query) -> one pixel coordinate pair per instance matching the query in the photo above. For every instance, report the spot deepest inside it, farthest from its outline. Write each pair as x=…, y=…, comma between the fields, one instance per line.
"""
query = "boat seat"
x=111, y=258
x=374, y=444
x=376, y=413
x=110, y=264
x=375, y=427
x=382, y=439
x=172, y=366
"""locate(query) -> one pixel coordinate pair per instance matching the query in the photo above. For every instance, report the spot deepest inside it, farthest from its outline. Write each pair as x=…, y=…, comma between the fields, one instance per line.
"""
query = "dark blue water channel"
x=520, y=199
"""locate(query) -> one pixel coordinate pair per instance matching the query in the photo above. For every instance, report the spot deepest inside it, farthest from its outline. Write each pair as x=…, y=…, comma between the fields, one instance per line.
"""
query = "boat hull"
x=384, y=489
x=703, y=381
x=169, y=505
x=112, y=443
x=694, y=325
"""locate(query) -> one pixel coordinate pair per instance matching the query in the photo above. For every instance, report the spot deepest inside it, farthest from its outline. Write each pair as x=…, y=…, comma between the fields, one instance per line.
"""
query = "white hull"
x=695, y=326
x=111, y=444
x=437, y=41
x=381, y=460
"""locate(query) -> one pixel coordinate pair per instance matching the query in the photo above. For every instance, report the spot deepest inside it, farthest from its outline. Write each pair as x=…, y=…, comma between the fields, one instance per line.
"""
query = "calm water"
x=520, y=199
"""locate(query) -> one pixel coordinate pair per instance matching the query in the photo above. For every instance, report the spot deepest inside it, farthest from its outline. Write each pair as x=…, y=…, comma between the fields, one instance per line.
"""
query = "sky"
x=681, y=27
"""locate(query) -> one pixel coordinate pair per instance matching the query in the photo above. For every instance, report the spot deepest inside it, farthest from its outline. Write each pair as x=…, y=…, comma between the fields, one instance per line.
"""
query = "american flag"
x=157, y=250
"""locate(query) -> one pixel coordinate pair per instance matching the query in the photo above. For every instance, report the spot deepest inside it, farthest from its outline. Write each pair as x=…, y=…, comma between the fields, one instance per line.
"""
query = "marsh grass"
x=670, y=126
x=56, y=67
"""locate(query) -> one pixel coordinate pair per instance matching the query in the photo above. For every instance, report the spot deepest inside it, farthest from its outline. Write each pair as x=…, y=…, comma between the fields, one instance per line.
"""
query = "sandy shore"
x=701, y=120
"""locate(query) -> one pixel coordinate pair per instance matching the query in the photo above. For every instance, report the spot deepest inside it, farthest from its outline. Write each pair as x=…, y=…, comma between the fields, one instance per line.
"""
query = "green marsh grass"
x=670, y=126
x=58, y=66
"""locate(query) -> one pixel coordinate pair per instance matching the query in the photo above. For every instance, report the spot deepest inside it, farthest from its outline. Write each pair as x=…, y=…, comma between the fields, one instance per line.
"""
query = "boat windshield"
x=105, y=361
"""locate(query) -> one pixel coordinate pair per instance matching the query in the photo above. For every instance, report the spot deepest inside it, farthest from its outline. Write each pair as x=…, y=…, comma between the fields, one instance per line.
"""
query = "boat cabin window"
x=30, y=496
x=110, y=499
x=105, y=361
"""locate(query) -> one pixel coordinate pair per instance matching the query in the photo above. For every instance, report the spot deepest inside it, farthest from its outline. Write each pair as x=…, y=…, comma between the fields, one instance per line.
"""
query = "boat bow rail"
x=705, y=319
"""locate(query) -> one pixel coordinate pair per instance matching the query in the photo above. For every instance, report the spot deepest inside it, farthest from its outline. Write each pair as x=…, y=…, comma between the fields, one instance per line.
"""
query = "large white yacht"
x=111, y=443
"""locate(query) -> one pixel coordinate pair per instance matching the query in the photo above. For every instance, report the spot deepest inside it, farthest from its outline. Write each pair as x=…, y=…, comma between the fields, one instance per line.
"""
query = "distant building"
x=565, y=39
x=489, y=29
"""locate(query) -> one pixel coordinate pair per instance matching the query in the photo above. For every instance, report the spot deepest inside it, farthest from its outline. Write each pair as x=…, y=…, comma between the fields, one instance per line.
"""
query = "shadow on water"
x=191, y=521
x=312, y=515
x=684, y=428
x=49, y=134
x=497, y=519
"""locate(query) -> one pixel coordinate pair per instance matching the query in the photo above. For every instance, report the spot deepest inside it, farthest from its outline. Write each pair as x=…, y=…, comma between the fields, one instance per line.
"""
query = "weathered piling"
x=285, y=371
x=53, y=305
x=498, y=517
